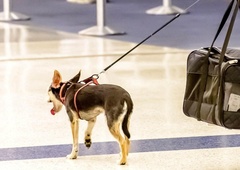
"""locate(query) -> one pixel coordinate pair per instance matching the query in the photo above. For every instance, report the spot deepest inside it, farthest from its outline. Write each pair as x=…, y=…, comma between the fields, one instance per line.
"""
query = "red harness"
x=86, y=82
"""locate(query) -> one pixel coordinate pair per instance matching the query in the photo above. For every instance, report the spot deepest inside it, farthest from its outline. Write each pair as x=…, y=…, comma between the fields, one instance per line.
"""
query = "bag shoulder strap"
x=228, y=35
x=223, y=21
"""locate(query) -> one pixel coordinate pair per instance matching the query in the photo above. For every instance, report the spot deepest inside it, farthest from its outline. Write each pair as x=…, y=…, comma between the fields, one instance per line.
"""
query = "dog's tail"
x=126, y=118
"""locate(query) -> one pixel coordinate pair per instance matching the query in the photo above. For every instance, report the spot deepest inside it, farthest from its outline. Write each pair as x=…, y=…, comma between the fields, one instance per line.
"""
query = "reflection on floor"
x=162, y=136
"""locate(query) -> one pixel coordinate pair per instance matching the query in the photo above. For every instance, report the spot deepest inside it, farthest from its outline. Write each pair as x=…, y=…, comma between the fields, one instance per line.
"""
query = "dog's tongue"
x=52, y=111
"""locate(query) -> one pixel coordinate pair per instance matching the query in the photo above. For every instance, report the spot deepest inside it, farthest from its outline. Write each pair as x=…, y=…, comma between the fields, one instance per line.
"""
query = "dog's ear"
x=56, y=80
x=76, y=78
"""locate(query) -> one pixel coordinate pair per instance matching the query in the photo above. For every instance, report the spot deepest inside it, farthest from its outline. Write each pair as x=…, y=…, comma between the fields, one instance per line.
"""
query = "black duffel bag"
x=212, y=91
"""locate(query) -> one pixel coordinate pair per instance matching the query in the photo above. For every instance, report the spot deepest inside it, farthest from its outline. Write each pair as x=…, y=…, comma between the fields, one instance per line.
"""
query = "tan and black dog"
x=85, y=101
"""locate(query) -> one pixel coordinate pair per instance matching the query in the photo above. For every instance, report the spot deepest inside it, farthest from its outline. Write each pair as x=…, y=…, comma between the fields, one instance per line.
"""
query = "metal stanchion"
x=7, y=15
x=166, y=9
x=100, y=29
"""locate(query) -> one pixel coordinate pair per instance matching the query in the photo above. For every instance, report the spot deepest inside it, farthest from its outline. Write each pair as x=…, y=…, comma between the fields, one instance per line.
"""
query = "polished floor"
x=163, y=138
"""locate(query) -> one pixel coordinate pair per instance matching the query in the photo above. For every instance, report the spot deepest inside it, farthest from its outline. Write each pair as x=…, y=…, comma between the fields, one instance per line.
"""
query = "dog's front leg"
x=88, y=132
x=75, y=146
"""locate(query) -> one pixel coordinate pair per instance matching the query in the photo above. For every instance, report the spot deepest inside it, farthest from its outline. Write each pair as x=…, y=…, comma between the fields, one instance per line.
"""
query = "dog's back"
x=109, y=97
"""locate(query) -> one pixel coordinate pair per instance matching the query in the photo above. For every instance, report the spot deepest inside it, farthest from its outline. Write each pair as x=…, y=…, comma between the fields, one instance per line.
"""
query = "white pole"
x=166, y=9
x=101, y=14
x=8, y=15
x=100, y=29
x=6, y=9
x=167, y=3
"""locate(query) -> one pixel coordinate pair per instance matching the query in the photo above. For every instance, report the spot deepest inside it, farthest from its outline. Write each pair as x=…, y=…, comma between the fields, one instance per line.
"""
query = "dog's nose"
x=49, y=101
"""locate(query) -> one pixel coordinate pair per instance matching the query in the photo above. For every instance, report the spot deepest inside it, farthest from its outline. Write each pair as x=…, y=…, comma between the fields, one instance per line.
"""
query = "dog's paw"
x=88, y=143
x=122, y=162
x=72, y=156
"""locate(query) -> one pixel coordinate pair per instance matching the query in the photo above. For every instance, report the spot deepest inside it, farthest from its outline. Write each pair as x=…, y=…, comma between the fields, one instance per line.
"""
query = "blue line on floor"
x=102, y=148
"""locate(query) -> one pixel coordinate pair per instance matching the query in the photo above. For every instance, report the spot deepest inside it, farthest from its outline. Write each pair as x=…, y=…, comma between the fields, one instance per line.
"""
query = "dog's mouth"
x=52, y=111
x=55, y=109
x=57, y=105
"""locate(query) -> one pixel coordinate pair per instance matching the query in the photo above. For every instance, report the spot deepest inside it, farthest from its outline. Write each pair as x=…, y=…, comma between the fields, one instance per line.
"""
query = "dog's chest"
x=88, y=115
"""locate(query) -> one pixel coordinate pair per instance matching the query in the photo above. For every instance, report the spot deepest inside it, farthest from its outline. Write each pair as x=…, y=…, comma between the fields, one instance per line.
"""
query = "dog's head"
x=55, y=88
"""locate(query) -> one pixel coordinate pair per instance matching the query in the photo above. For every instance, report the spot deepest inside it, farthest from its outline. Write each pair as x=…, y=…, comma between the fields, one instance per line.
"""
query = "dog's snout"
x=49, y=101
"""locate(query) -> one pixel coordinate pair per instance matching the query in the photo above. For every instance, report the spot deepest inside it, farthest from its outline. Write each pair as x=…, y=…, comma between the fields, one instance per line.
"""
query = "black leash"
x=96, y=76
x=176, y=16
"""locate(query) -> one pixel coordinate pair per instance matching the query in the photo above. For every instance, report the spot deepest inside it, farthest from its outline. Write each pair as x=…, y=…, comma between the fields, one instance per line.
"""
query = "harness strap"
x=62, y=98
x=87, y=82
x=94, y=81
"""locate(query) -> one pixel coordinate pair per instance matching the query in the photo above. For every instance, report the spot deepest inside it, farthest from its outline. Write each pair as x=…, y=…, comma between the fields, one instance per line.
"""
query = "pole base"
x=13, y=16
x=166, y=10
x=98, y=31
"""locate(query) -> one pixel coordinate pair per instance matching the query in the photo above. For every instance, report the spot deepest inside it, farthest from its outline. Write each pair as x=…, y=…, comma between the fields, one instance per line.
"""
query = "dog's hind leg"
x=126, y=121
x=127, y=144
x=88, y=132
x=74, y=128
x=116, y=117
x=127, y=137
x=114, y=127
x=115, y=131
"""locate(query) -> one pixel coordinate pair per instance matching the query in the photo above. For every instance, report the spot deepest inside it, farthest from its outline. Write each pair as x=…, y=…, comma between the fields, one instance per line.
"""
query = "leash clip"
x=95, y=76
x=92, y=78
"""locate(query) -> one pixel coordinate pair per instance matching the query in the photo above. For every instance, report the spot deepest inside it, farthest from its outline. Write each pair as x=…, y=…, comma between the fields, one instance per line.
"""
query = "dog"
x=86, y=102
